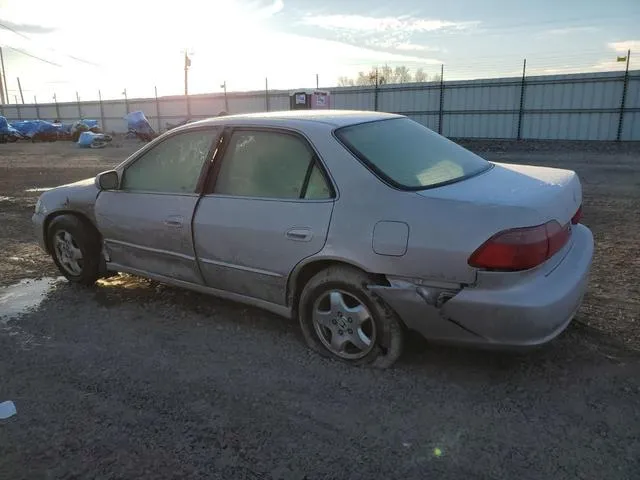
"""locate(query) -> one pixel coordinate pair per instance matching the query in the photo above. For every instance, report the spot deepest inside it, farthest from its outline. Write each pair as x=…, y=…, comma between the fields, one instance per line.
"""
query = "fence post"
x=266, y=92
x=155, y=89
x=226, y=100
x=625, y=85
x=55, y=100
x=102, y=122
x=522, y=89
x=79, y=107
x=35, y=102
x=375, y=91
x=441, y=112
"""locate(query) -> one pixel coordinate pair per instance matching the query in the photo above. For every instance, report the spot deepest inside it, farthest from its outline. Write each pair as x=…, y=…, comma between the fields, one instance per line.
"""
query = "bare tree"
x=402, y=74
x=364, y=79
x=436, y=78
x=420, y=76
x=386, y=75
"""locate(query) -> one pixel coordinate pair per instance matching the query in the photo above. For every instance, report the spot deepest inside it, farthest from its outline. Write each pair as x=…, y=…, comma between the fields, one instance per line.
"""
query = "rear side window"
x=409, y=155
x=270, y=165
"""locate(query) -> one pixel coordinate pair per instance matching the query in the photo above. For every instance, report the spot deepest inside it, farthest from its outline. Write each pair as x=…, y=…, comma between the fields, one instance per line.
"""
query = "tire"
x=68, y=235
x=332, y=306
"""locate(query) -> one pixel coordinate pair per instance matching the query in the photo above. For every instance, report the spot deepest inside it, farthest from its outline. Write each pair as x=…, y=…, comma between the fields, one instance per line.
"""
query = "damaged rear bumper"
x=525, y=313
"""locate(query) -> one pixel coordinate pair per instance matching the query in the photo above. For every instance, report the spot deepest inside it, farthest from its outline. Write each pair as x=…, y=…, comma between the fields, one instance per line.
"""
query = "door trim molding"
x=150, y=249
x=240, y=267
x=280, y=310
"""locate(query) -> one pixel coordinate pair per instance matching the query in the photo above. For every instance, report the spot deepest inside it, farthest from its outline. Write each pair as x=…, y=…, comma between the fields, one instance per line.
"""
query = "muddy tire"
x=342, y=319
x=75, y=248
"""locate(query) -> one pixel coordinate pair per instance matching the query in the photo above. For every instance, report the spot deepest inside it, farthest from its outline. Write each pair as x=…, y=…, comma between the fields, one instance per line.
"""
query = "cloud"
x=633, y=45
x=414, y=47
x=363, y=23
x=568, y=31
x=270, y=10
x=22, y=28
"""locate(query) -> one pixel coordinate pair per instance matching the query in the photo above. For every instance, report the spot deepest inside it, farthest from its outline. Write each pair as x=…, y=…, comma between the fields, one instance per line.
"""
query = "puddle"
x=24, y=296
x=39, y=189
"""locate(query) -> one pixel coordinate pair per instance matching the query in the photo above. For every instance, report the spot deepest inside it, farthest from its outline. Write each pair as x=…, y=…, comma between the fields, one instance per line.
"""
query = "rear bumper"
x=527, y=313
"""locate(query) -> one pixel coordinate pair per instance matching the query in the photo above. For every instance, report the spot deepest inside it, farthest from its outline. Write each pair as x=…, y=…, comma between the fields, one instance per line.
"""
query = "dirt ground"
x=133, y=379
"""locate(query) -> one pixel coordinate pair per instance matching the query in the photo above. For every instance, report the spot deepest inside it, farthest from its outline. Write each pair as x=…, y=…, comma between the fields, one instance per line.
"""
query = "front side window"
x=409, y=155
x=173, y=166
x=271, y=165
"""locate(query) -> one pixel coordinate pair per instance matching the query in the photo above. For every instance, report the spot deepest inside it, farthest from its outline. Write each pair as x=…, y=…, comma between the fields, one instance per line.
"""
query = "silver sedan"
x=365, y=227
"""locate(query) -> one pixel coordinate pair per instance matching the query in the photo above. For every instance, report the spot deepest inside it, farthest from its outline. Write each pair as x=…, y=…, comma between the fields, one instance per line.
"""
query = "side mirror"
x=108, y=180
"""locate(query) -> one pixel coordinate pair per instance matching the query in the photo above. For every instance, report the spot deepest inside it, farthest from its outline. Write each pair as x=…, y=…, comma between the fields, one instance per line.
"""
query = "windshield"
x=409, y=155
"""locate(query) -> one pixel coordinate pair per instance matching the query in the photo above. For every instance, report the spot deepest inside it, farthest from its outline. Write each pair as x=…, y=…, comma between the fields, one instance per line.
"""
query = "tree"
x=402, y=74
x=420, y=76
x=436, y=78
x=365, y=79
x=386, y=75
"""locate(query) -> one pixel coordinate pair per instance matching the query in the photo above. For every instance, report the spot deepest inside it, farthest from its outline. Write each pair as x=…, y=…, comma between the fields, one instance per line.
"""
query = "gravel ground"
x=132, y=379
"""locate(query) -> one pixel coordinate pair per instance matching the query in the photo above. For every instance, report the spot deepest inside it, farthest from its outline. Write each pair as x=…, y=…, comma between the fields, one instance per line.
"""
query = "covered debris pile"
x=44, y=131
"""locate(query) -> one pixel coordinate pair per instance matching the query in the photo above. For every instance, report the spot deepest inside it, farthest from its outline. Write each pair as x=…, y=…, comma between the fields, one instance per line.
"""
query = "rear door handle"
x=299, y=234
x=174, y=221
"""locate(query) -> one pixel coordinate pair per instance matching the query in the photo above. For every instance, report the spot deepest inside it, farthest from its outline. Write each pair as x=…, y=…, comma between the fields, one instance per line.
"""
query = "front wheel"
x=341, y=318
x=75, y=249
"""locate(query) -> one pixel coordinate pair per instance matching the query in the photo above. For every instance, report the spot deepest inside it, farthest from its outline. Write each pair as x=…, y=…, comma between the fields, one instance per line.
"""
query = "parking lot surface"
x=133, y=379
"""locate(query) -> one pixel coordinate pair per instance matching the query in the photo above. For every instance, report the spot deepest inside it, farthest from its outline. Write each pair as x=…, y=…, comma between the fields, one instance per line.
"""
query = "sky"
x=138, y=45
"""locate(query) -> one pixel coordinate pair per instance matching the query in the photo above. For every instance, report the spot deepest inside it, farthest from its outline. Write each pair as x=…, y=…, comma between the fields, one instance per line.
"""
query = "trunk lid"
x=550, y=193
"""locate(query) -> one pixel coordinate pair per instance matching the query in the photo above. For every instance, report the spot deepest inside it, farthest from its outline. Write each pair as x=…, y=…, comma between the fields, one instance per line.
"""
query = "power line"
x=34, y=56
x=77, y=59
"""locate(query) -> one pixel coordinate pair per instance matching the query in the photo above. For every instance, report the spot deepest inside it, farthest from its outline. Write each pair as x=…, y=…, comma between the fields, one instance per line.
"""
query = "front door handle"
x=174, y=221
x=299, y=234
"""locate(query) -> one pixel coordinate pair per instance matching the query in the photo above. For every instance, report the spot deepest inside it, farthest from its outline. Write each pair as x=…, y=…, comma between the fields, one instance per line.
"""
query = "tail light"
x=521, y=248
x=577, y=217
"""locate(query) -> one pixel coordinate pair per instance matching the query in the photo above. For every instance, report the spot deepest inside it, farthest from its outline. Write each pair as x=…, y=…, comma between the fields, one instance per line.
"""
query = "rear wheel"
x=341, y=318
x=75, y=248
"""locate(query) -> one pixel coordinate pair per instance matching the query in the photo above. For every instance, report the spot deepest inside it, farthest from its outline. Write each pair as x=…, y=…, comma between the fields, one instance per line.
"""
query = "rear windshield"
x=409, y=155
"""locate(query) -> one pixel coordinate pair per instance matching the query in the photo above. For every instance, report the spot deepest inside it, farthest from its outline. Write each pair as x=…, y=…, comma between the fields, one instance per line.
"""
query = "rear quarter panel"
x=442, y=232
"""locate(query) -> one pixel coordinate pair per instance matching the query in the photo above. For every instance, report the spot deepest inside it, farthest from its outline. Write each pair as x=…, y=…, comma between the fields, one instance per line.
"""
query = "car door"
x=146, y=223
x=268, y=208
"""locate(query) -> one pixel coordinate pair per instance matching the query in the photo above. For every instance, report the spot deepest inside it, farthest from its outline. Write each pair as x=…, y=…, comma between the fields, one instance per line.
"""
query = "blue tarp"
x=137, y=122
x=5, y=128
x=93, y=140
x=29, y=128
x=86, y=139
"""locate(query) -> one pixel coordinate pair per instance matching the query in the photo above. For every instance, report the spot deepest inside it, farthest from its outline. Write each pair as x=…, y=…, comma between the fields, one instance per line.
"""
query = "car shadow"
x=578, y=344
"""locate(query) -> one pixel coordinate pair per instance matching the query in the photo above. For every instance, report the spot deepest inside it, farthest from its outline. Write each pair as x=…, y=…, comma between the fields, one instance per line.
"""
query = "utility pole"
x=20, y=88
x=35, y=102
x=317, y=81
x=4, y=75
x=187, y=64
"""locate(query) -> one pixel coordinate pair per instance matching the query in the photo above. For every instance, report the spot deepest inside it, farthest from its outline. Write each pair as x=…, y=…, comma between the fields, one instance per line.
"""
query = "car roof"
x=336, y=118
